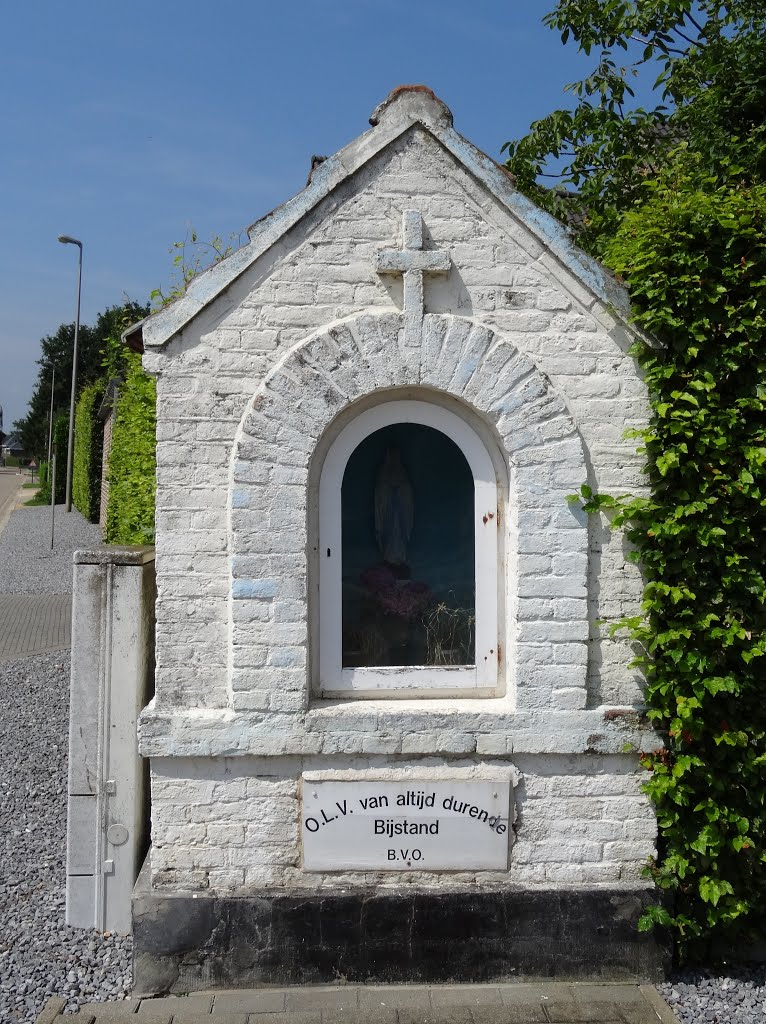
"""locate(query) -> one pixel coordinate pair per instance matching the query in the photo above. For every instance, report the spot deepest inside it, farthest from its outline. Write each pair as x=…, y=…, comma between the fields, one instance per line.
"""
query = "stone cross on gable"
x=413, y=262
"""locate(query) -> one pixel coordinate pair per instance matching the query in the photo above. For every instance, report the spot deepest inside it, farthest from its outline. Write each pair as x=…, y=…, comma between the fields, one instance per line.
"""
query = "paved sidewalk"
x=34, y=624
x=543, y=1003
x=35, y=580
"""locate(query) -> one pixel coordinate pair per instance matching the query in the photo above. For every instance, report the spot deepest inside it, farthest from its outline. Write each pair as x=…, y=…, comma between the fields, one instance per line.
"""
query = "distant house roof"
x=13, y=444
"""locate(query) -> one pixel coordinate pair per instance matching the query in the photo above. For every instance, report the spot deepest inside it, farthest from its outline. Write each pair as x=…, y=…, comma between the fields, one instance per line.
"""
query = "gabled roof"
x=405, y=106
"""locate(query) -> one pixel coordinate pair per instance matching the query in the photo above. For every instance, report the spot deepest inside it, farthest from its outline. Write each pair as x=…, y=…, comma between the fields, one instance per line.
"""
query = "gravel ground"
x=27, y=564
x=734, y=995
x=39, y=955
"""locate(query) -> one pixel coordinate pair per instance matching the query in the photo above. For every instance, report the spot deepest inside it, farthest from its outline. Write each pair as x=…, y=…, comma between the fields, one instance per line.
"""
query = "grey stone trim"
x=115, y=555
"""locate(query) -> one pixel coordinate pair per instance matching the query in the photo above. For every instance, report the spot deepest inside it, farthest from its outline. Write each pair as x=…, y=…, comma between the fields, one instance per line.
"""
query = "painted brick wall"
x=323, y=272
x=235, y=823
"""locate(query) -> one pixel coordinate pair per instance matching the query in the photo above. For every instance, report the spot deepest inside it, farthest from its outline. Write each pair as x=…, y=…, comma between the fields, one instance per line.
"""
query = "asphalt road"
x=10, y=483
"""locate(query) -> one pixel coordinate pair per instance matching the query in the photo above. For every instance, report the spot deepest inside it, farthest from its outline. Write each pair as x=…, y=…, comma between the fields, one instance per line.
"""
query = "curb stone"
x=658, y=1004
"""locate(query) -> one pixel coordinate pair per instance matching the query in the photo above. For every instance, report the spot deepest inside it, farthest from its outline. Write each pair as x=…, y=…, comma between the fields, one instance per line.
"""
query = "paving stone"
x=160, y=1011
x=379, y=1016
x=318, y=999
x=608, y=993
x=205, y=1018
x=52, y=1009
x=118, y=1010
x=523, y=992
x=570, y=1011
x=626, y=1002
x=266, y=1000
x=156, y=1016
x=295, y=1017
x=437, y=1015
x=34, y=624
x=398, y=996
x=640, y=1014
x=466, y=995
x=521, y=1012
x=177, y=1004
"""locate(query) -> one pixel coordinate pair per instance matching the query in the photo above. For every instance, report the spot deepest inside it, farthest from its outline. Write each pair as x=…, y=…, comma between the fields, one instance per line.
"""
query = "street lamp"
x=67, y=240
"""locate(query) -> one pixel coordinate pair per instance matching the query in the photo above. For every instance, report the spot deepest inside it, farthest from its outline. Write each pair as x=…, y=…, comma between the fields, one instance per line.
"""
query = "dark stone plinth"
x=184, y=942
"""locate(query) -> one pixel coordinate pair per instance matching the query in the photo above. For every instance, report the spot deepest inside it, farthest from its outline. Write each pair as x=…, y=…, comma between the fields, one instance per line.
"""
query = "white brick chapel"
x=390, y=738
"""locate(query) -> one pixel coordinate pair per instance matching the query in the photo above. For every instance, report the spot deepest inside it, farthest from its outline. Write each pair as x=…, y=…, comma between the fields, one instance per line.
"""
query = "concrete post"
x=112, y=680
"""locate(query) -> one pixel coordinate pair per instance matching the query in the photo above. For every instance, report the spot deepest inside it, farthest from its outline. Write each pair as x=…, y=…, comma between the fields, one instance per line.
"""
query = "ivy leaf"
x=712, y=889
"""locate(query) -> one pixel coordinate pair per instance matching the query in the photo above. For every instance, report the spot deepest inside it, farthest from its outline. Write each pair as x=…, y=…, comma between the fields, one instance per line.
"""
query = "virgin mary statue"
x=394, y=509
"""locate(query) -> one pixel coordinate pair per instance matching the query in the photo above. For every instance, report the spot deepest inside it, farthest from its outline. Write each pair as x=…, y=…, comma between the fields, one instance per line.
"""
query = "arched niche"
x=322, y=386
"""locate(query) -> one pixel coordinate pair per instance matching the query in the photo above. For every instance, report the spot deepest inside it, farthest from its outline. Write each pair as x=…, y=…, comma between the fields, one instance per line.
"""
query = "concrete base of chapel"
x=187, y=942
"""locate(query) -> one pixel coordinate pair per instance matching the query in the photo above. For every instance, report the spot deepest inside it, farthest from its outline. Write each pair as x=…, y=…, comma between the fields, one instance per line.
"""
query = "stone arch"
x=315, y=381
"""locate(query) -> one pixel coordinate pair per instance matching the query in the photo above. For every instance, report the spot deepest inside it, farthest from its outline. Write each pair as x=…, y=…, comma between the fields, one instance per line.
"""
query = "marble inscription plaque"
x=441, y=825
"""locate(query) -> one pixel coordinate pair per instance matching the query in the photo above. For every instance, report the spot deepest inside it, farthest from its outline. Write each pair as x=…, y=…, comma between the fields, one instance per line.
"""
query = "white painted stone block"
x=112, y=639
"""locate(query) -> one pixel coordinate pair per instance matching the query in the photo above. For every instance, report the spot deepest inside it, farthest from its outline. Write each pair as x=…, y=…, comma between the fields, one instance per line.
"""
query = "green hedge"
x=88, y=439
x=132, y=460
x=60, y=440
x=694, y=256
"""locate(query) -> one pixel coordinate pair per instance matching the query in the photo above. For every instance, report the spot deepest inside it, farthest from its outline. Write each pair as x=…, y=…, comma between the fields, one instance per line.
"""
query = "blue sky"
x=125, y=124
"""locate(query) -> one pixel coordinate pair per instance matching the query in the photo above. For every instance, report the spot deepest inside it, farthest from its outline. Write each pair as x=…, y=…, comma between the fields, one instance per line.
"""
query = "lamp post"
x=67, y=240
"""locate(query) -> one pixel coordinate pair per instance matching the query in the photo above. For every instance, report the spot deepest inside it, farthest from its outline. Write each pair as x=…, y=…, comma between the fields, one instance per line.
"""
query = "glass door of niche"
x=406, y=575
x=408, y=587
